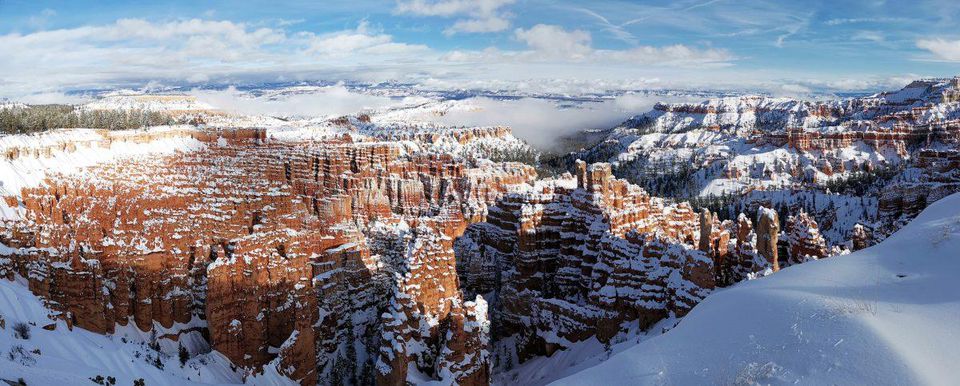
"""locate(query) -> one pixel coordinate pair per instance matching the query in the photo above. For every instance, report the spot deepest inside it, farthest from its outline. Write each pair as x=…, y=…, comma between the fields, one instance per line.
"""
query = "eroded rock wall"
x=576, y=257
x=283, y=254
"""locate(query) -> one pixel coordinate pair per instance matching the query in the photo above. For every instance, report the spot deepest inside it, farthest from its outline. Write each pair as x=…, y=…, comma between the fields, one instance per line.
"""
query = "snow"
x=734, y=145
x=73, y=357
x=886, y=314
x=40, y=155
x=127, y=100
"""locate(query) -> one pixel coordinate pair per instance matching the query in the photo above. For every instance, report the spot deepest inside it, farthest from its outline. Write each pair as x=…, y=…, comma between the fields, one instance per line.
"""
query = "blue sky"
x=790, y=45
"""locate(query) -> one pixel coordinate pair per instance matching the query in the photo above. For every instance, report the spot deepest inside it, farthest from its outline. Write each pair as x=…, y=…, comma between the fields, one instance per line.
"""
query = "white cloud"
x=866, y=20
x=321, y=102
x=554, y=41
x=542, y=122
x=537, y=121
x=184, y=50
x=794, y=90
x=804, y=88
x=676, y=54
x=361, y=40
x=41, y=20
x=131, y=52
x=476, y=15
x=617, y=31
x=488, y=24
x=53, y=98
x=942, y=49
x=788, y=31
x=873, y=36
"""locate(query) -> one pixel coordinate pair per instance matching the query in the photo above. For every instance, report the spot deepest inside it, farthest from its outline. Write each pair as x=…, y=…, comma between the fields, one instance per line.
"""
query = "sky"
x=565, y=46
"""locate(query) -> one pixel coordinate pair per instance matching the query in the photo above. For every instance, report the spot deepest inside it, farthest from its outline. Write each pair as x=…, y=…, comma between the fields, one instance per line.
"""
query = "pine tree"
x=336, y=373
x=183, y=354
x=349, y=364
x=367, y=375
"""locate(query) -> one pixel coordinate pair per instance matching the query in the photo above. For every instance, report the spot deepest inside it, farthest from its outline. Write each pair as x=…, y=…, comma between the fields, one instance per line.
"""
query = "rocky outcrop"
x=465, y=356
x=803, y=239
x=934, y=175
x=745, y=259
x=353, y=254
x=284, y=254
x=715, y=242
x=768, y=234
x=577, y=257
x=861, y=237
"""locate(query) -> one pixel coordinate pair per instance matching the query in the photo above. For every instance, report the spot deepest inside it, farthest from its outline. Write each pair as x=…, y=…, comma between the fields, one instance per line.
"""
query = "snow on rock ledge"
x=27, y=159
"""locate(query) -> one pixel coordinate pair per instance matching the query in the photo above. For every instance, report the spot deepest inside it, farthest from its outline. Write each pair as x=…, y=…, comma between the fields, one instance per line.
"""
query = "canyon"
x=874, y=161
x=374, y=248
x=353, y=257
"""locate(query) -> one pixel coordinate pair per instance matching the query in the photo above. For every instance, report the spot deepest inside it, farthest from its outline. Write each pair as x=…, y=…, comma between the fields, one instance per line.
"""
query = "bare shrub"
x=21, y=330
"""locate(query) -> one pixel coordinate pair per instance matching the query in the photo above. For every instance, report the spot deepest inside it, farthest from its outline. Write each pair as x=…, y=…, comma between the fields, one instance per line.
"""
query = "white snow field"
x=889, y=314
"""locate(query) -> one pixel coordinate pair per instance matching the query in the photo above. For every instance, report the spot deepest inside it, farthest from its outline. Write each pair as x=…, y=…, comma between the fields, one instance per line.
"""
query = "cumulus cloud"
x=554, y=41
x=474, y=15
x=362, y=40
x=321, y=102
x=942, y=49
x=130, y=52
x=193, y=50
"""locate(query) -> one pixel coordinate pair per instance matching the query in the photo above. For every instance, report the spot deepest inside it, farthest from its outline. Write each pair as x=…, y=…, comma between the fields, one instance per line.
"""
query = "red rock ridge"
x=271, y=249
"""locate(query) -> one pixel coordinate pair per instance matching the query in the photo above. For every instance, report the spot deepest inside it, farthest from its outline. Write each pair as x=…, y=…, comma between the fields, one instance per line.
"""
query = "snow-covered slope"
x=31, y=158
x=883, y=315
x=64, y=357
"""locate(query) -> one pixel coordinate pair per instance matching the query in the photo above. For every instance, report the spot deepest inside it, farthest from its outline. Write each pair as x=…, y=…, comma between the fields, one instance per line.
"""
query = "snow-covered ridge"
x=883, y=315
x=29, y=158
x=763, y=146
x=930, y=100
x=149, y=102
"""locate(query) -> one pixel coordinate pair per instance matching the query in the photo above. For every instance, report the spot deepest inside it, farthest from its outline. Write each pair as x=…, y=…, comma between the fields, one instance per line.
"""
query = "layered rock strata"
x=282, y=254
x=577, y=257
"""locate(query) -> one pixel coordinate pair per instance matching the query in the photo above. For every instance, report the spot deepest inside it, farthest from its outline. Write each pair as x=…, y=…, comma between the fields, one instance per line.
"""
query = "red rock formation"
x=746, y=258
x=768, y=233
x=861, y=237
x=937, y=176
x=571, y=259
x=465, y=356
x=714, y=241
x=268, y=247
x=803, y=239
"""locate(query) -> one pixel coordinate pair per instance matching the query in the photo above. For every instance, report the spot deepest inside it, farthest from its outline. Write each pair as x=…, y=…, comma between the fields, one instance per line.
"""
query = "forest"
x=24, y=119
